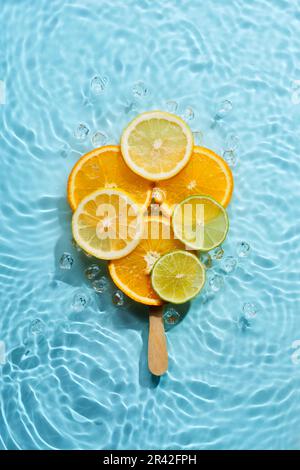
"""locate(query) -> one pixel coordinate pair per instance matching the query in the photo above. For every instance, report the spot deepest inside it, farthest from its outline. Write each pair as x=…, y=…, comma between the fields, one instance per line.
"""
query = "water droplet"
x=66, y=261
x=205, y=258
x=100, y=285
x=81, y=131
x=243, y=323
x=217, y=253
x=198, y=137
x=98, y=84
x=229, y=263
x=223, y=109
x=249, y=310
x=99, y=139
x=118, y=298
x=216, y=282
x=230, y=157
x=188, y=114
x=171, y=106
x=171, y=316
x=158, y=195
x=139, y=89
x=92, y=271
x=232, y=142
x=80, y=301
x=243, y=249
x=37, y=326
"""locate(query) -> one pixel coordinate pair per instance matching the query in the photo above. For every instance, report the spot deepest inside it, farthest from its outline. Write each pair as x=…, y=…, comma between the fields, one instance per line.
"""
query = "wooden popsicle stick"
x=157, y=342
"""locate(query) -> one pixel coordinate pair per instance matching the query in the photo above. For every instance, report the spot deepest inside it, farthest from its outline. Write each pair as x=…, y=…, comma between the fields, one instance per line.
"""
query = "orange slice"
x=206, y=173
x=104, y=168
x=132, y=273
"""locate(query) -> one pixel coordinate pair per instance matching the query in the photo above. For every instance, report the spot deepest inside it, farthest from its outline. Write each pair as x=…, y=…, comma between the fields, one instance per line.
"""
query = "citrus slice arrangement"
x=153, y=259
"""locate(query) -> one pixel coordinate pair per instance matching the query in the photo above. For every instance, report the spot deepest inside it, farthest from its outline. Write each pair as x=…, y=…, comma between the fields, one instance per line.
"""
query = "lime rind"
x=205, y=246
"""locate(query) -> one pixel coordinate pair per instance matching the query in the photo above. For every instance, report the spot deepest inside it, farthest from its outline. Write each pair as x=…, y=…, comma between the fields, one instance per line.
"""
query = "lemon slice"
x=157, y=145
x=200, y=222
x=178, y=276
x=107, y=224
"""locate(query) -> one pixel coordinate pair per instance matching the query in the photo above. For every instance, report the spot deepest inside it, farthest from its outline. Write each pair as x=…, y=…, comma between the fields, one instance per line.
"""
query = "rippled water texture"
x=76, y=375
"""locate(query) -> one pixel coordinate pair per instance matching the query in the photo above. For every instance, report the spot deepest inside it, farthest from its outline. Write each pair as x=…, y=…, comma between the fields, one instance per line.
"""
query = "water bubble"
x=81, y=131
x=158, y=195
x=188, y=114
x=99, y=139
x=80, y=301
x=98, y=84
x=171, y=106
x=243, y=323
x=100, y=285
x=37, y=326
x=205, y=258
x=216, y=282
x=223, y=109
x=229, y=263
x=230, y=158
x=92, y=271
x=249, y=310
x=198, y=137
x=66, y=261
x=232, y=142
x=243, y=249
x=118, y=298
x=171, y=316
x=217, y=253
x=139, y=89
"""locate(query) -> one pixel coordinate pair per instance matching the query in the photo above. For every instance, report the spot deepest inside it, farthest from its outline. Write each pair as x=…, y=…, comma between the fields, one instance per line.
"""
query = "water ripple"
x=80, y=381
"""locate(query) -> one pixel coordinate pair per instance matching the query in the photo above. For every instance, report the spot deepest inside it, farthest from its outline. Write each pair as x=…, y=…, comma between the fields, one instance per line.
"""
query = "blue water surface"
x=73, y=371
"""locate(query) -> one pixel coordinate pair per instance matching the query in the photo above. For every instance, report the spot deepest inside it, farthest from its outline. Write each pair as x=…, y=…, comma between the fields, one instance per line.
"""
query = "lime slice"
x=178, y=276
x=200, y=222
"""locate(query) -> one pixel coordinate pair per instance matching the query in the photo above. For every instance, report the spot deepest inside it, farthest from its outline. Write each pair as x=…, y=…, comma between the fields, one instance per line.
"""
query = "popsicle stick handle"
x=157, y=342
